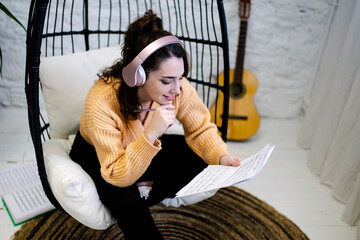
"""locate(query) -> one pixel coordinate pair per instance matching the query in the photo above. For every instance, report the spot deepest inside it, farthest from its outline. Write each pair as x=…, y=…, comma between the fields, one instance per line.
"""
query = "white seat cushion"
x=76, y=192
x=73, y=187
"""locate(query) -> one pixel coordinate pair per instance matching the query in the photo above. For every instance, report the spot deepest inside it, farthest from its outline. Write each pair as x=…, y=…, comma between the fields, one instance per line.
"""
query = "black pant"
x=171, y=169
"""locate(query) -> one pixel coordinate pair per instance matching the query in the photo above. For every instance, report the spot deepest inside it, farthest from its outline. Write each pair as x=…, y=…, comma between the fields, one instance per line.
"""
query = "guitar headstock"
x=244, y=9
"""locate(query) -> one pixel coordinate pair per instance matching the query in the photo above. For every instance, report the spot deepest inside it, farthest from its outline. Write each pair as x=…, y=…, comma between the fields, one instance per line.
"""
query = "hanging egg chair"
x=68, y=42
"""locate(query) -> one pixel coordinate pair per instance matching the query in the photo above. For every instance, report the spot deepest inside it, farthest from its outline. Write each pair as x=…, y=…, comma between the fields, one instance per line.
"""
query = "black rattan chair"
x=63, y=27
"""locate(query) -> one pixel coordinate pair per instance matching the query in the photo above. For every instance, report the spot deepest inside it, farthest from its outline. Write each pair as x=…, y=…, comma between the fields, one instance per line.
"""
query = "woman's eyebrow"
x=169, y=77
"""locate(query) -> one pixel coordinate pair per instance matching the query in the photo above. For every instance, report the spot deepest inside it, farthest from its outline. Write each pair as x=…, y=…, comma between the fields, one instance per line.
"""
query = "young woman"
x=121, y=142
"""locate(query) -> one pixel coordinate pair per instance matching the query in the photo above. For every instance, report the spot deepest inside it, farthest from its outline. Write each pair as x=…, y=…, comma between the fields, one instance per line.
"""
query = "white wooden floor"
x=285, y=182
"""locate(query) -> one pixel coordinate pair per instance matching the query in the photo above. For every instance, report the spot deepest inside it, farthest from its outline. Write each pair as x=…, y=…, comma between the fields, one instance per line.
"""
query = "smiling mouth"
x=169, y=98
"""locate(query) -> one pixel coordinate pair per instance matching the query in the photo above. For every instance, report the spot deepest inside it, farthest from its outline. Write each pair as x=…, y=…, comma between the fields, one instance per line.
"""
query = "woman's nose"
x=177, y=87
x=177, y=90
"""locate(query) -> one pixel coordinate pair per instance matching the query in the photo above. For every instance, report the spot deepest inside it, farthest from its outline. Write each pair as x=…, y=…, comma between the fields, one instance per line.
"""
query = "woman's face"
x=163, y=84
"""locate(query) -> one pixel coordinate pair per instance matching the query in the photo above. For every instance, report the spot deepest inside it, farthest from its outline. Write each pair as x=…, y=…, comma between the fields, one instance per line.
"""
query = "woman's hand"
x=163, y=118
x=230, y=160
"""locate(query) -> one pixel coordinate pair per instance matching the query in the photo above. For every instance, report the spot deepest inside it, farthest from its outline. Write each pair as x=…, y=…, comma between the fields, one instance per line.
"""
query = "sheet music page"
x=218, y=176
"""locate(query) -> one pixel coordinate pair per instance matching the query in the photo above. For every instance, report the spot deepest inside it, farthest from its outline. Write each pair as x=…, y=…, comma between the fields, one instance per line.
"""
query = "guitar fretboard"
x=239, y=68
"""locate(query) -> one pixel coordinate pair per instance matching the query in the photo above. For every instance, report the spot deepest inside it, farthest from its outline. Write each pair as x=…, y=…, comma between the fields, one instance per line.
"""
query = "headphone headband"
x=133, y=73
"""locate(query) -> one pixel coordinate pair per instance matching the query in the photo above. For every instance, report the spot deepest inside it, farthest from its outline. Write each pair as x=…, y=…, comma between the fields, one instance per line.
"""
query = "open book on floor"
x=22, y=193
x=218, y=176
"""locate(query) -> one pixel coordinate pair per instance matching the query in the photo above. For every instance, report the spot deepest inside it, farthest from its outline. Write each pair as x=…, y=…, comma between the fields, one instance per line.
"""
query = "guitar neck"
x=240, y=56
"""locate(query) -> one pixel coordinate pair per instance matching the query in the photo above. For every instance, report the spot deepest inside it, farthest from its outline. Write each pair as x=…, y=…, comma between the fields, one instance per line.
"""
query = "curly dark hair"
x=139, y=34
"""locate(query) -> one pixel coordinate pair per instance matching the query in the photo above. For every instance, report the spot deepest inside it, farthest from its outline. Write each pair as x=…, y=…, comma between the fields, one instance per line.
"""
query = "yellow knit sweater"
x=123, y=151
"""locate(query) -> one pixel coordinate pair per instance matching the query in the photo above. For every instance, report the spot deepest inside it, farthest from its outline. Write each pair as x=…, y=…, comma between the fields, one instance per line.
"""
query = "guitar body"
x=244, y=120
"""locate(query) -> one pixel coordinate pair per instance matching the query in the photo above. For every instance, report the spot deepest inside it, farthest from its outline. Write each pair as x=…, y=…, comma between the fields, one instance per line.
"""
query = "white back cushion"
x=66, y=81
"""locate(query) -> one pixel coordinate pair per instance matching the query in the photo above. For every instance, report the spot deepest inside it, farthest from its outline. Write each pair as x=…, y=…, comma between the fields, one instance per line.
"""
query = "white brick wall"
x=284, y=41
x=12, y=42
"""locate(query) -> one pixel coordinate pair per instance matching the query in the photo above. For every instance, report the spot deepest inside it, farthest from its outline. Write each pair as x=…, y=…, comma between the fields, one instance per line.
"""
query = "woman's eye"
x=166, y=82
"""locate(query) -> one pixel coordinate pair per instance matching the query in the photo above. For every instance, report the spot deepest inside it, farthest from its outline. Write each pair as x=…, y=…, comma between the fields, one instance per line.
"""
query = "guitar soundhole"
x=237, y=90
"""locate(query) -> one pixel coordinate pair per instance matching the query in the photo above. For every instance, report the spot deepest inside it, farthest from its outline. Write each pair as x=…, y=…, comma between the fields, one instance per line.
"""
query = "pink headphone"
x=134, y=73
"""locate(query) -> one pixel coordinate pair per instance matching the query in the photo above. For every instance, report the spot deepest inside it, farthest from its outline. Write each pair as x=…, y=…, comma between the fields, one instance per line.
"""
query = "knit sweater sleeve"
x=200, y=134
x=123, y=155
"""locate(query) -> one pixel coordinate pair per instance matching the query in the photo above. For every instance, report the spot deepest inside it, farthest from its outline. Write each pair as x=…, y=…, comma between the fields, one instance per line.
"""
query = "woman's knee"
x=120, y=199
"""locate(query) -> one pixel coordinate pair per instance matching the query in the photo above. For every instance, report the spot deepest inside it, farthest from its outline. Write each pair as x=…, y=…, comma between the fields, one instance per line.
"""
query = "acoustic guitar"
x=244, y=120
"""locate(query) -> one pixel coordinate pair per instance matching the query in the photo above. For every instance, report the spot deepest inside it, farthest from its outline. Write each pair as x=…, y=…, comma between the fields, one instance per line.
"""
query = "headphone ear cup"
x=140, y=76
x=134, y=74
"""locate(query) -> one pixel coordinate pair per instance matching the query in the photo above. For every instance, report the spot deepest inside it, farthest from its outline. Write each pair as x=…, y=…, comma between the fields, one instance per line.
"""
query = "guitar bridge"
x=236, y=117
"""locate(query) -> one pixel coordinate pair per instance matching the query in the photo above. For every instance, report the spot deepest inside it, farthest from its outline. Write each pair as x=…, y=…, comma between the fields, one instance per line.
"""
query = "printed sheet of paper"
x=22, y=193
x=27, y=203
x=218, y=176
x=18, y=177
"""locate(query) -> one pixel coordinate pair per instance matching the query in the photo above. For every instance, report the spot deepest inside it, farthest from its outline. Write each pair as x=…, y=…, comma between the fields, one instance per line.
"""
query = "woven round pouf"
x=231, y=214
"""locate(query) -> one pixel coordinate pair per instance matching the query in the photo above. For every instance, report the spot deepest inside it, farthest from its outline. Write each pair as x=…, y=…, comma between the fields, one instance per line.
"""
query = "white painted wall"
x=284, y=41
